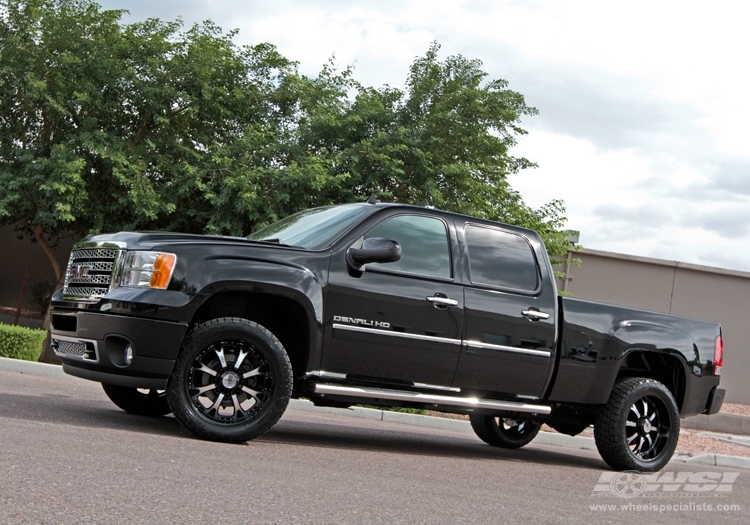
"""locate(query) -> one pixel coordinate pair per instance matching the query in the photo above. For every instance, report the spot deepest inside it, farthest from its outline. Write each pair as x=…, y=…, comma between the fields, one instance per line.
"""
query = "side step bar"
x=429, y=399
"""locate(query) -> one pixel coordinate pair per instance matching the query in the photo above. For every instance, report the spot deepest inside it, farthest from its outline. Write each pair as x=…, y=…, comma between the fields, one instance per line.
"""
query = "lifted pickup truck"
x=384, y=304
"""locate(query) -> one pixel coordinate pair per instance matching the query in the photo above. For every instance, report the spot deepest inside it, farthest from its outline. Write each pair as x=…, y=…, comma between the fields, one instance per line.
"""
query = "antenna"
x=373, y=199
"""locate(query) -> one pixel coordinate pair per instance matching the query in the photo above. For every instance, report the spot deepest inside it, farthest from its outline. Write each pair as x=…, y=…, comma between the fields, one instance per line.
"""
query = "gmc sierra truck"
x=384, y=304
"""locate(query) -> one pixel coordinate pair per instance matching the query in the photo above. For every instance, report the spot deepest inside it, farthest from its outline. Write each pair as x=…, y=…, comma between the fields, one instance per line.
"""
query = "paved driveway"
x=68, y=456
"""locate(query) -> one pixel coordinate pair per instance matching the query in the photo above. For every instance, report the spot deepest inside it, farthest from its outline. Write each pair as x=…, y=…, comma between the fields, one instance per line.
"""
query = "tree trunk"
x=47, y=355
x=39, y=236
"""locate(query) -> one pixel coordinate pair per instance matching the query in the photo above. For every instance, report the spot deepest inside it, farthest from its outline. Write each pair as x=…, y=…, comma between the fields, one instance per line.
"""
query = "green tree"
x=106, y=126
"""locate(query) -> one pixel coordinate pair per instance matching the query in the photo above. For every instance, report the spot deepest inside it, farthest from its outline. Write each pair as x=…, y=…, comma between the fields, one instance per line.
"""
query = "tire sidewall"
x=197, y=341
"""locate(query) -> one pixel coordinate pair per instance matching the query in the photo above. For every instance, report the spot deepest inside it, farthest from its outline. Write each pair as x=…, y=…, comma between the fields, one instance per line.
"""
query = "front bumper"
x=92, y=346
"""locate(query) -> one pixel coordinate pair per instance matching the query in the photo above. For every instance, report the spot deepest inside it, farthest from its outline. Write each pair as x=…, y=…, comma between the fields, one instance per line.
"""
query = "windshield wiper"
x=274, y=241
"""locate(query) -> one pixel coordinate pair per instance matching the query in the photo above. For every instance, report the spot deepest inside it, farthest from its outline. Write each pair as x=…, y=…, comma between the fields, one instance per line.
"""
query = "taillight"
x=718, y=355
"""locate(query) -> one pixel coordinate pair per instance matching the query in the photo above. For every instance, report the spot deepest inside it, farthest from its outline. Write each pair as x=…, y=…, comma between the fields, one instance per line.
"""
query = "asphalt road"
x=69, y=456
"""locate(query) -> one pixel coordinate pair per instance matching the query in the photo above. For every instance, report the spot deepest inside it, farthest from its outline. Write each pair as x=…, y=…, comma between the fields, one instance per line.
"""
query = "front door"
x=397, y=323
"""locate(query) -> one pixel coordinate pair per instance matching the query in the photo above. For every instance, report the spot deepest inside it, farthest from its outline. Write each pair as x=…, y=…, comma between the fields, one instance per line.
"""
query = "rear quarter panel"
x=596, y=338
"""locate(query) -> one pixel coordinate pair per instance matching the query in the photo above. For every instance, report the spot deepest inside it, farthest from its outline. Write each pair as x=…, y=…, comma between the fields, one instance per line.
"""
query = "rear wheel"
x=504, y=432
x=639, y=426
x=139, y=401
x=232, y=381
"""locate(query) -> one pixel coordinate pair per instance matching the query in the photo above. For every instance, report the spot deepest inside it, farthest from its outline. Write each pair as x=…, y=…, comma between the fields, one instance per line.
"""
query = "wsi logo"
x=361, y=322
x=631, y=483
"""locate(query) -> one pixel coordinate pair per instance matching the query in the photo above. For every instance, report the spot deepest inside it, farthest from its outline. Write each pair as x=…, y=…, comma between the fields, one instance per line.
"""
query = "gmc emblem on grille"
x=80, y=270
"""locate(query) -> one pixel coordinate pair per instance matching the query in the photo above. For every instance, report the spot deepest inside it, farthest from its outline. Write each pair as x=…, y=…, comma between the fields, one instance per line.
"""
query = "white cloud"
x=643, y=105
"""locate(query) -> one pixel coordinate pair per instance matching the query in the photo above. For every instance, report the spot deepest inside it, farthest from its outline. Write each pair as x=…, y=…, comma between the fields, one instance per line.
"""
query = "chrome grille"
x=90, y=271
x=73, y=347
x=70, y=348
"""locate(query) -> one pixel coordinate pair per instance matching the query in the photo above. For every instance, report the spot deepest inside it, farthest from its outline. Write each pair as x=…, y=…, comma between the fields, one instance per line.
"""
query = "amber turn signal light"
x=162, y=272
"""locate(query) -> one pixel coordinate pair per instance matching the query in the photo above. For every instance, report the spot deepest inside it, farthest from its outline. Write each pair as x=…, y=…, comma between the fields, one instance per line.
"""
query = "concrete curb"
x=452, y=425
x=717, y=460
x=33, y=368
x=729, y=423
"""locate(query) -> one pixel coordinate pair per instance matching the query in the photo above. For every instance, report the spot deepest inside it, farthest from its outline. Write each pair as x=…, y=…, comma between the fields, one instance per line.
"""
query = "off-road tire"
x=619, y=425
x=569, y=429
x=141, y=402
x=263, y=347
x=493, y=431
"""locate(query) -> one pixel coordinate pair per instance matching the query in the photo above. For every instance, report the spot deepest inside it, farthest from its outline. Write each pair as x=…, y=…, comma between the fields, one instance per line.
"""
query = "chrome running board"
x=429, y=399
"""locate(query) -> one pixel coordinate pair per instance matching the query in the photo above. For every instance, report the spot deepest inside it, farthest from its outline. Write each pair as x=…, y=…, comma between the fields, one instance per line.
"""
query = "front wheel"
x=139, y=401
x=504, y=432
x=232, y=381
x=639, y=426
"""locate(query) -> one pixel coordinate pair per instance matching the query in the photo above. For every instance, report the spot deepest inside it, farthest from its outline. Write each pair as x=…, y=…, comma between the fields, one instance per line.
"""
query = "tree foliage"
x=108, y=126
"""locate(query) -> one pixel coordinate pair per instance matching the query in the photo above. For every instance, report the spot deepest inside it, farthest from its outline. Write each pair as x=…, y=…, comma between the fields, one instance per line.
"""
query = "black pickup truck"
x=383, y=304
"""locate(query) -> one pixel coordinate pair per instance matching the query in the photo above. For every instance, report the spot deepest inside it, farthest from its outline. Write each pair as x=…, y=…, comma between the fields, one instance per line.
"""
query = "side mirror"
x=374, y=250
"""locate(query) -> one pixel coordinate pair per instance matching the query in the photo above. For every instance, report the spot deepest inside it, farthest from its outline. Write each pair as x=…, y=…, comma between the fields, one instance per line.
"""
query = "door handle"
x=535, y=315
x=442, y=302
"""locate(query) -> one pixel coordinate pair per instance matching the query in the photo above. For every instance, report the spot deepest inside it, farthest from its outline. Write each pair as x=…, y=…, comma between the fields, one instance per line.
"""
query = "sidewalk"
x=454, y=425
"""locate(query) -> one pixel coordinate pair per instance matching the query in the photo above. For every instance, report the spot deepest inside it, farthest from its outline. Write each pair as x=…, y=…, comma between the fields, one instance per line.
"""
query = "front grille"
x=89, y=272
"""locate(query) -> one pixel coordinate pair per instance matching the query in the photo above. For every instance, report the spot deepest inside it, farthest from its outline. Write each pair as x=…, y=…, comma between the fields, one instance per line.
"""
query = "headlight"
x=148, y=269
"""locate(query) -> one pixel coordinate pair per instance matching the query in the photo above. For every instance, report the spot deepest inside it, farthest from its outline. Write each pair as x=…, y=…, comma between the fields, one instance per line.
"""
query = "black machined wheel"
x=232, y=381
x=639, y=427
x=139, y=401
x=504, y=432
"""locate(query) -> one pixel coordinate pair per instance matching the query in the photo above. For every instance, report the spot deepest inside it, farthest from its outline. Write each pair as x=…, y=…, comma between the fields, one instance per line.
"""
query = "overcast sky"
x=643, y=106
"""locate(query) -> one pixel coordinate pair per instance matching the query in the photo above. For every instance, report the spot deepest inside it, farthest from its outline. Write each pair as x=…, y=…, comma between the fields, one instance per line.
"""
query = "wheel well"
x=282, y=316
x=665, y=368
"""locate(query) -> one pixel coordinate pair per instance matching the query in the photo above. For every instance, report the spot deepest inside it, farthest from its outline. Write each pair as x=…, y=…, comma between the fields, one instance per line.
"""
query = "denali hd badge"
x=362, y=322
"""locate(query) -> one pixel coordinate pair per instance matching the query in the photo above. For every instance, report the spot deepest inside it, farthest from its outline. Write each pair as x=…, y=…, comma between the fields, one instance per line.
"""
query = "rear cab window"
x=501, y=259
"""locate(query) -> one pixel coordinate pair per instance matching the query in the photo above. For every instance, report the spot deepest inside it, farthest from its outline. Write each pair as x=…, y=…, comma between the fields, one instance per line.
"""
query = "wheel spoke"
x=633, y=440
x=630, y=423
x=204, y=389
x=236, y=403
x=652, y=416
x=650, y=441
x=634, y=409
x=218, y=401
x=253, y=373
x=253, y=393
x=220, y=355
x=203, y=368
x=240, y=358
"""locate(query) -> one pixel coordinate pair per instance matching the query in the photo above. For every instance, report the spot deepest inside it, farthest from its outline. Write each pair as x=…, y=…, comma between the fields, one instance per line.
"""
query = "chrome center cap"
x=646, y=427
x=229, y=380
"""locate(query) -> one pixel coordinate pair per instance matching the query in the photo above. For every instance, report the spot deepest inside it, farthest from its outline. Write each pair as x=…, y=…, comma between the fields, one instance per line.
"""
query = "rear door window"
x=500, y=259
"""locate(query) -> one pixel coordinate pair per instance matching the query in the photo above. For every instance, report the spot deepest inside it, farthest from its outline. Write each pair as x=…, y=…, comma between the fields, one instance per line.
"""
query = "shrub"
x=18, y=342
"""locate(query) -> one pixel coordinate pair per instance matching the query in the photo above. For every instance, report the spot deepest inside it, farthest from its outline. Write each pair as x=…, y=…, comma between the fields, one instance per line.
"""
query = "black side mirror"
x=374, y=250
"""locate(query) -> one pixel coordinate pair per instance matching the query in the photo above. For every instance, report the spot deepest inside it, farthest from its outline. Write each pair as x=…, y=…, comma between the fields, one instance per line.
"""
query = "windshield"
x=311, y=229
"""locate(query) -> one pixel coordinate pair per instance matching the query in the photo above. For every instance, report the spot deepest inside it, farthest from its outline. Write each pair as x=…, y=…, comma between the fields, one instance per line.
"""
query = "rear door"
x=398, y=323
x=509, y=313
